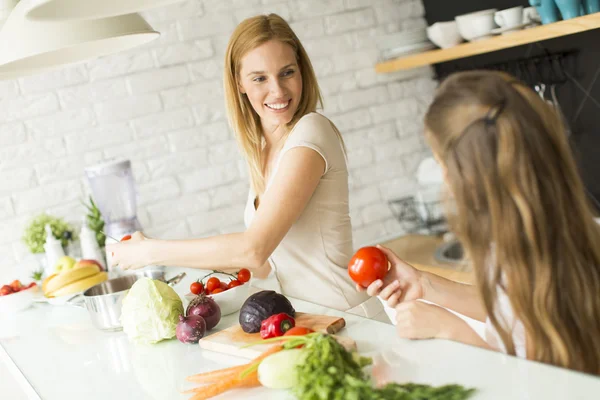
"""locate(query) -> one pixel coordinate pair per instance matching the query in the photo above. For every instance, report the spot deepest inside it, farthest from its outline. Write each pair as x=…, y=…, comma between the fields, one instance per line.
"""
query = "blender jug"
x=113, y=189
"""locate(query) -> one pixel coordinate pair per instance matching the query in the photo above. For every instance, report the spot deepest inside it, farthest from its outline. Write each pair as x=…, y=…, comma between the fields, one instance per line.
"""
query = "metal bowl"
x=104, y=301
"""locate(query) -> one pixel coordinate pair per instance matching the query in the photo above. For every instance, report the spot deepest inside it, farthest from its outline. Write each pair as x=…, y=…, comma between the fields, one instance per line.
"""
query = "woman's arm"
x=293, y=185
x=459, y=297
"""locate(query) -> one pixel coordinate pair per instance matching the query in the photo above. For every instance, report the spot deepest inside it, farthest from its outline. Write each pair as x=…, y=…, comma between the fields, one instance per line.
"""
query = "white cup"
x=509, y=18
x=531, y=16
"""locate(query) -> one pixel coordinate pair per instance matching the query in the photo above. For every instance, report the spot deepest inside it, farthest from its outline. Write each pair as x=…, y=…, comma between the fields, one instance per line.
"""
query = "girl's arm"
x=297, y=178
x=460, y=297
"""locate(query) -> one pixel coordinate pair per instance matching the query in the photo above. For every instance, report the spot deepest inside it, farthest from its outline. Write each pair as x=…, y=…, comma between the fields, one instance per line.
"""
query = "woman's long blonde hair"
x=522, y=213
x=248, y=35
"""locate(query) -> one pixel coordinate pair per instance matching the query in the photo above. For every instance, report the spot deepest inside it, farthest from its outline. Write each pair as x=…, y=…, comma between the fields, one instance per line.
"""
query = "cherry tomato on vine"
x=234, y=283
x=243, y=275
x=212, y=284
x=196, y=287
x=217, y=290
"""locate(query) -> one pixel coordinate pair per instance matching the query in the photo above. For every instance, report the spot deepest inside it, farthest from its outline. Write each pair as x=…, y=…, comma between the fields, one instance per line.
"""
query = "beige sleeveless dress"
x=311, y=261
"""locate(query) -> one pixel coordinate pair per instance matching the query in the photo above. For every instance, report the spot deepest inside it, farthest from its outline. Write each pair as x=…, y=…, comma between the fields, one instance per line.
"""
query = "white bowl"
x=444, y=34
x=19, y=301
x=476, y=25
x=229, y=301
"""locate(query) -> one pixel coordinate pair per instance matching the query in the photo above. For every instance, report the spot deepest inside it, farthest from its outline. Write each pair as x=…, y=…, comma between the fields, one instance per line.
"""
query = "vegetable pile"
x=214, y=285
x=321, y=370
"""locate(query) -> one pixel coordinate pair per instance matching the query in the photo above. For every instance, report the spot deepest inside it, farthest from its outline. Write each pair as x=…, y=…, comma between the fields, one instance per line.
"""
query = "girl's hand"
x=402, y=283
x=130, y=254
x=419, y=320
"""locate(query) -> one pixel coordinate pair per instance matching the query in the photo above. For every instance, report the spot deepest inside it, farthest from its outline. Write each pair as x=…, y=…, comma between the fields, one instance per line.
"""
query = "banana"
x=80, y=285
x=45, y=282
x=65, y=278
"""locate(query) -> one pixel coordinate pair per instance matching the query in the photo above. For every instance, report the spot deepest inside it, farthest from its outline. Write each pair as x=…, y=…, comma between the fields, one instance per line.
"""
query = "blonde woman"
x=297, y=216
x=522, y=214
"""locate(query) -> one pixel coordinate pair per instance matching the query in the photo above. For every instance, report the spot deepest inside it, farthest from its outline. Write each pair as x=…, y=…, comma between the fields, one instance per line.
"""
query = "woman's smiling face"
x=271, y=78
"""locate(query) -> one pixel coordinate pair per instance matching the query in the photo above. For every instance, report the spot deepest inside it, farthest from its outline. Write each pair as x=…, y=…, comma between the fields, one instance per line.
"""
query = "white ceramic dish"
x=406, y=50
x=444, y=34
x=477, y=25
x=19, y=301
x=229, y=301
x=498, y=31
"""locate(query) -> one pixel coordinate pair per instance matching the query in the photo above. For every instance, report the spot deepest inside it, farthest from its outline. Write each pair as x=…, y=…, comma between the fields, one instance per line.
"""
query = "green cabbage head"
x=150, y=311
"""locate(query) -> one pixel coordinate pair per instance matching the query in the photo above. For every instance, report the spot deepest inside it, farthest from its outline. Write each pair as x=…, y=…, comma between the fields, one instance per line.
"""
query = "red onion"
x=190, y=329
x=205, y=307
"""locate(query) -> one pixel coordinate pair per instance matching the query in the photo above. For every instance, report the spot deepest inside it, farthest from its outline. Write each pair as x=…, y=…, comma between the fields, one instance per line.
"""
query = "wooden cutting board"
x=231, y=340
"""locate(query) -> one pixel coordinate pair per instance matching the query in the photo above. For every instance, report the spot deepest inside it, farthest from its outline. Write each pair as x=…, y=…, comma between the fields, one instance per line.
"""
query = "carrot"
x=214, y=376
x=232, y=377
x=211, y=376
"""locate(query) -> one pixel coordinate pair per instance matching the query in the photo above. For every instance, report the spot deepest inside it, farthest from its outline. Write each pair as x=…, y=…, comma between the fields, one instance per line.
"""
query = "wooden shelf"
x=517, y=38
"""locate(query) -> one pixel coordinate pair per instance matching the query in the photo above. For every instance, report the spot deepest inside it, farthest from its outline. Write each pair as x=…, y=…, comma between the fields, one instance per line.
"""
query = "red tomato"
x=243, y=275
x=16, y=285
x=212, y=284
x=196, y=287
x=234, y=283
x=298, y=331
x=6, y=289
x=367, y=265
x=217, y=290
x=126, y=237
x=224, y=286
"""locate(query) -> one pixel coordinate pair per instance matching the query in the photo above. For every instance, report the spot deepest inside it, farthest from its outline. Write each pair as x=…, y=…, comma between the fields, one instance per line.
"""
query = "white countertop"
x=58, y=355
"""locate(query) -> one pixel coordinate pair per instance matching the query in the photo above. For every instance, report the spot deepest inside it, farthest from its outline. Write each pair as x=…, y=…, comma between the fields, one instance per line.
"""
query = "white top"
x=311, y=261
x=55, y=353
x=506, y=318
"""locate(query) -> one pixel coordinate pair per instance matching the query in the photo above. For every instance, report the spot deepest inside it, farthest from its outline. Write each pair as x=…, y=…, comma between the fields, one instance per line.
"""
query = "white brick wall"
x=162, y=106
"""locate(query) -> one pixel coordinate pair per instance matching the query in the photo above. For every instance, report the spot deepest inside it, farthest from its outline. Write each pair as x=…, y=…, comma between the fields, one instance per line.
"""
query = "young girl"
x=297, y=214
x=521, y=212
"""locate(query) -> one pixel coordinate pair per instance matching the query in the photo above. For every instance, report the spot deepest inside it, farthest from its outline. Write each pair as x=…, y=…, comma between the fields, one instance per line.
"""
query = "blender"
x=113, y=189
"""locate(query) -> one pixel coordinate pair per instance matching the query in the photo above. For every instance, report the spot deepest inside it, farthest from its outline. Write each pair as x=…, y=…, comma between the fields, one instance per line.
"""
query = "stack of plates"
x=404, y=43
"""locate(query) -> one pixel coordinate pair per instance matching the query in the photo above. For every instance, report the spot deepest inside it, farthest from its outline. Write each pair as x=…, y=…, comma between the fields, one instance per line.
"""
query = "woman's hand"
x=402, y=283
x=130, y=254
x=419, y=320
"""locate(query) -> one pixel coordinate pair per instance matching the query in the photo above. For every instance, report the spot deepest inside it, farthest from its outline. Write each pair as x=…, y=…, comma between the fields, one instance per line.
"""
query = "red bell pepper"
x=276, y=325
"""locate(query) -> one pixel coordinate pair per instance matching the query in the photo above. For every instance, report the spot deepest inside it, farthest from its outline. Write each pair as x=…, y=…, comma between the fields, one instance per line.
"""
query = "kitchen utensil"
x=444, y=34
x=569, y=8
x=498, y=31
x=547, y=9
x=531, y=16
x=509, y=18
x=231, y=340
x=104, y=301
x=476, y=25
x=591, y=6
x=559, y=111
x=113, y=190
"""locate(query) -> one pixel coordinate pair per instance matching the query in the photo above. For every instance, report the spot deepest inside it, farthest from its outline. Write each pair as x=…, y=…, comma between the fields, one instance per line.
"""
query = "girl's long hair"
x=250, y=34
x=522, y=213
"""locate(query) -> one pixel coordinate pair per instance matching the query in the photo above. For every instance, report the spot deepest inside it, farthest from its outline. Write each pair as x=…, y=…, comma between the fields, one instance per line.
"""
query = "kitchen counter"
x=56, y=354
x=419, y=251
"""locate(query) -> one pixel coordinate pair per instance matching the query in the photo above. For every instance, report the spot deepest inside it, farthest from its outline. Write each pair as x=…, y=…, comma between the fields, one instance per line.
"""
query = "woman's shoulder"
x=314, y=127
x=314, y=120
